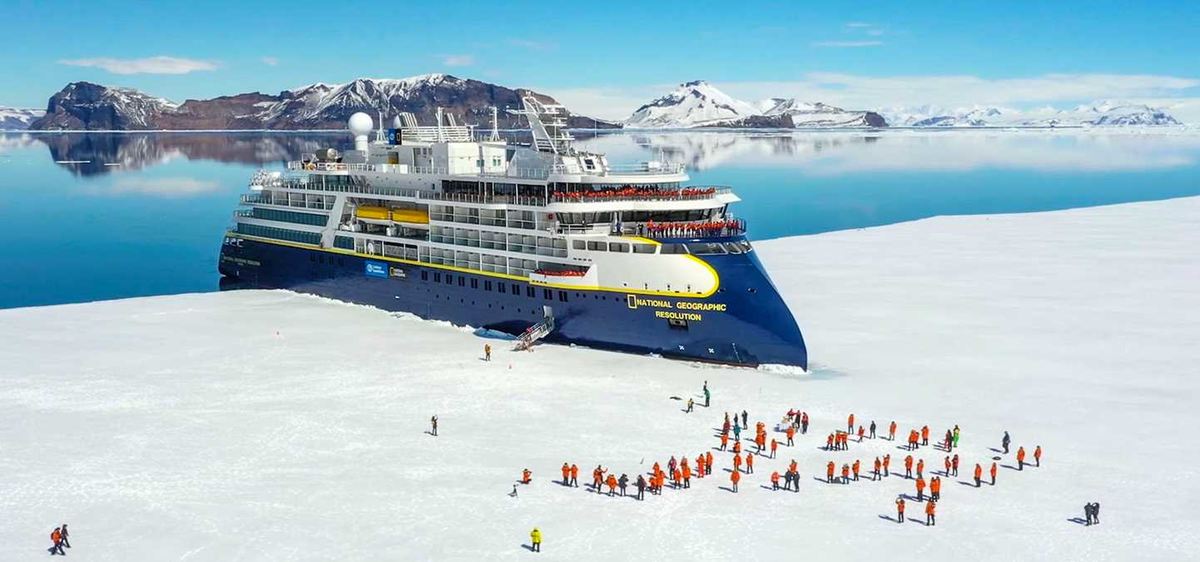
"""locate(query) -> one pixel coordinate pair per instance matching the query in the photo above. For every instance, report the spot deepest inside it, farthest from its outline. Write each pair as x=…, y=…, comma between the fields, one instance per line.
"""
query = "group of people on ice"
x=679, y=473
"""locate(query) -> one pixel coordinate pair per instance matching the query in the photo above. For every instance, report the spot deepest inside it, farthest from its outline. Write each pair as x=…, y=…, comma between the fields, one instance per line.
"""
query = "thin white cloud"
x=859, y=24
x=148, y=65
x=269, y=61
x=458, y=60
x=531, y=44
x=847, y=44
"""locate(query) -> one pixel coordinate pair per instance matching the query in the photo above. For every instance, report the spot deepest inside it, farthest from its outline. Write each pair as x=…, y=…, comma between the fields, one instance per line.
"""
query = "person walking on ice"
x=935, y=488
x=566, y=474
x=875, y=473
x=955, y=436
x=993, y=472
x=749, y=463
x=66, y=537
x=892, y=431
x=535, y=537
x=900, y=509
x=887, y=463
x=954, y=464
x=1005, y=441
x=855, y=467
x=791, y=435
x=734, y=478
x=56, y=546
x=930, y=513
x=1037, y=456
x=707, y=396
x=908, y=461
x=574, y=476
x=829, y=468
x=872, y=429
x=690, y=405
x=850, y=424
x=775, y=480
x=641, y=486
x=433, y=424
x=920, y=489
x=978, y=475
x=487, y=352
x=775, y=445
x=623, y=482
x=1020, y=458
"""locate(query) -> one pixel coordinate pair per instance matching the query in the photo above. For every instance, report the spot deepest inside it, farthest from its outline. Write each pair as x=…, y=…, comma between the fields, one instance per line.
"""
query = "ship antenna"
x=439, y=125
x=495, y=125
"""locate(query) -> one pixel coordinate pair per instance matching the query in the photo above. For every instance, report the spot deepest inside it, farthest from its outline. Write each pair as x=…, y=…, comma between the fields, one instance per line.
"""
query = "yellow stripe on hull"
x=623, y=290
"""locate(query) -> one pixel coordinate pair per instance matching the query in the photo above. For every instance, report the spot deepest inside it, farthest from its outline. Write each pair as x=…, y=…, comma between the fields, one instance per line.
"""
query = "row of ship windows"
x=279, y=233
x=289, y=216
x=499, y=286
x=696, y=248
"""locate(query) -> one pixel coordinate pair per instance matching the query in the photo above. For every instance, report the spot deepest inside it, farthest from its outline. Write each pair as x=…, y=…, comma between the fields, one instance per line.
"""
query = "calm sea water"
x=102, y=216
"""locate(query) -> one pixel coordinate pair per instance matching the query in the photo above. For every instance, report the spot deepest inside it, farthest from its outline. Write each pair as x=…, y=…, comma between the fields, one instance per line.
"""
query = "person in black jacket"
x=641, y=484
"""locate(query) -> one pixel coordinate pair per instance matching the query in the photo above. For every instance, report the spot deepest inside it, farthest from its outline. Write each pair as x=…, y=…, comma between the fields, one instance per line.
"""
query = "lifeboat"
x=416, y=216
x=372, y=213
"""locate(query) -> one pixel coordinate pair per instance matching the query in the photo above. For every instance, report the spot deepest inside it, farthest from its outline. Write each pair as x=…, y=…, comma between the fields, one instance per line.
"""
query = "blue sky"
x=608, y=57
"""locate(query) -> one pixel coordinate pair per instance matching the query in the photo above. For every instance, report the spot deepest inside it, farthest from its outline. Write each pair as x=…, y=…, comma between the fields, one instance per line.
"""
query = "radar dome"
x=396, y=122
x=361, y=124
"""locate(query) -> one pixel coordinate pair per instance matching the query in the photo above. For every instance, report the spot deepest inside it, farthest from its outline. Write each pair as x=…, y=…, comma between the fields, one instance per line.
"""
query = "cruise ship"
x=542, y=241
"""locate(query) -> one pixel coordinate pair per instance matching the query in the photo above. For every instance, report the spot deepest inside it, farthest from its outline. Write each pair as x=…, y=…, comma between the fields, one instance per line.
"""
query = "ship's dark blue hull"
x=745, y=322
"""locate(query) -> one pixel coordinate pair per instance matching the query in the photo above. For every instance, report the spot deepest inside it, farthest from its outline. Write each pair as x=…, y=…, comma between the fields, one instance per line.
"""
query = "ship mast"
x=548, y=123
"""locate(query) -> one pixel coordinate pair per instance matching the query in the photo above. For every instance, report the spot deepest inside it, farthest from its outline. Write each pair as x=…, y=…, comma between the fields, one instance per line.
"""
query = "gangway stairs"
x=536, y=331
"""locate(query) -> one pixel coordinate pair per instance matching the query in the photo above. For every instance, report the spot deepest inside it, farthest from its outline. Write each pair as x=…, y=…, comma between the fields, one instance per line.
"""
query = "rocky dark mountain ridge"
x=88, y=106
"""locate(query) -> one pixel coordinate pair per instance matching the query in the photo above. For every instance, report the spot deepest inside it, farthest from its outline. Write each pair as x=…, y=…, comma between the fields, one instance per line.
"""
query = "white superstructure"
x=547, y=213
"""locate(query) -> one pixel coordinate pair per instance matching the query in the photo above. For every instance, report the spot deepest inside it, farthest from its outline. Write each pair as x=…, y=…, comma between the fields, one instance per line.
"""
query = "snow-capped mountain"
x=700, y=104
x=1114, y=113
x=17, y=119
x=82, y=105
x=1100, y=114
x=820, y=115
x=693, y=104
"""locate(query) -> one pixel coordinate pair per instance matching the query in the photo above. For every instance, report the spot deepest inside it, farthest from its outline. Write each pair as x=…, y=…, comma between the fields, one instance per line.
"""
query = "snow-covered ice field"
x=275, y=426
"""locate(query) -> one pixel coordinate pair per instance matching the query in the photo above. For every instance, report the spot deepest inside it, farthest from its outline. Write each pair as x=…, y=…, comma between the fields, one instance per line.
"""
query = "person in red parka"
x=735, y=477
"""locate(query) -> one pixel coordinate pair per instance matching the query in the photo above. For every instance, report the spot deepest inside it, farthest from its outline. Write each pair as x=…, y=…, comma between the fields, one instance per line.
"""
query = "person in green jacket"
x=956, y=436
x=535, y=537
x=707, y=396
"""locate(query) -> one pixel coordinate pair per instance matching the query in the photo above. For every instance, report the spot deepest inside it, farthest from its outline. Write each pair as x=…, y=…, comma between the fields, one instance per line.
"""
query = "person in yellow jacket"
x=535, y=537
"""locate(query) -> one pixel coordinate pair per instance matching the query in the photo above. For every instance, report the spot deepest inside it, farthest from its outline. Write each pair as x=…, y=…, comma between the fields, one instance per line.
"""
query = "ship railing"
x=683, y=194
x=642, y=168
x=692, y=229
